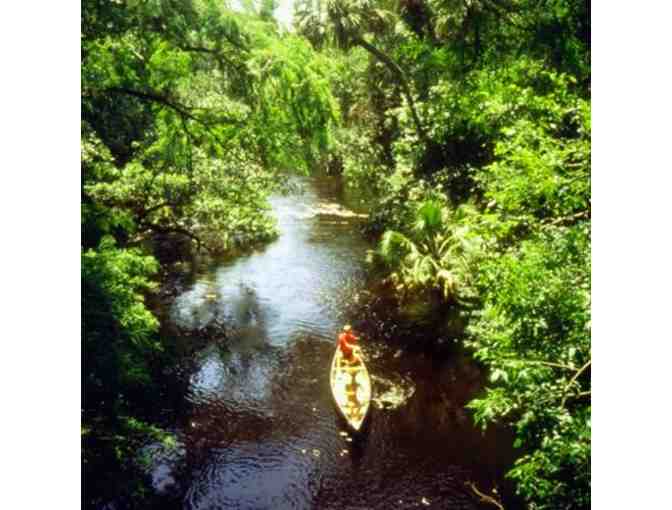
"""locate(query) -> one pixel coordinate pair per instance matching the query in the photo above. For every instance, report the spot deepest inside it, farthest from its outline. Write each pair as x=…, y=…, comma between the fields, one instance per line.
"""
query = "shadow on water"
x=258, y=428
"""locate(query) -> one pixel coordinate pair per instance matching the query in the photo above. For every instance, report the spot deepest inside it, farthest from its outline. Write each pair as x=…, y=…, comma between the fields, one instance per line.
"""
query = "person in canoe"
x=347, y=342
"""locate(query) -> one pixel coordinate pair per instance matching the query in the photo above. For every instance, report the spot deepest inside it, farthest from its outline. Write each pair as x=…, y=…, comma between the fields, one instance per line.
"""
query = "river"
x=257, y=428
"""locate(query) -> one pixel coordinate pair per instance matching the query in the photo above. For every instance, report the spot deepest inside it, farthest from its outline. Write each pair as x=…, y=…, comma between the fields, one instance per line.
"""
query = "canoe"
x=351, y=387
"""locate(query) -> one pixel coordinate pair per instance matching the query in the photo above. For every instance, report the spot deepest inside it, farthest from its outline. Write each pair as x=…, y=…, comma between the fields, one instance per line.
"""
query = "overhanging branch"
x=401, y=77
x=174, y=229
x=184, y=111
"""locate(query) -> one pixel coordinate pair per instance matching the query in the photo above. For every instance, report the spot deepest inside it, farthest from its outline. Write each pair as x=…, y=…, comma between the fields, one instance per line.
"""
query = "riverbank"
x=251, y=416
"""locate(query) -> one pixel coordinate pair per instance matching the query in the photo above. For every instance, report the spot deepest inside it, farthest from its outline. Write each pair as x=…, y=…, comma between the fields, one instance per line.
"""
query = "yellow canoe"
x=351, y=387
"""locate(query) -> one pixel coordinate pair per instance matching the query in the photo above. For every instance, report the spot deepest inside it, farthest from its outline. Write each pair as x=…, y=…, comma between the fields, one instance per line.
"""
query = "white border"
x=39, y=207
x=632, y=212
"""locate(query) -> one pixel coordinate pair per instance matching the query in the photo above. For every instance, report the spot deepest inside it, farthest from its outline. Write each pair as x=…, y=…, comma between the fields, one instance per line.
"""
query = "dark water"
x=259, y=429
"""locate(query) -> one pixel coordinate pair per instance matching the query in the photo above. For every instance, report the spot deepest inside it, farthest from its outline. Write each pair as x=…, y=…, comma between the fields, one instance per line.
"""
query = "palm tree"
x=436, y=254
x=345, y=23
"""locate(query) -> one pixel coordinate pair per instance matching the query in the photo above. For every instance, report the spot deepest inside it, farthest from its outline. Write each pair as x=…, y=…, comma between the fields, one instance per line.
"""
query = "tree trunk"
x=403, y=82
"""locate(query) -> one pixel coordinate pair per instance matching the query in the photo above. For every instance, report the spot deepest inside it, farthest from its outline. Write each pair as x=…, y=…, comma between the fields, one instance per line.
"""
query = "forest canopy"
x=467, y=122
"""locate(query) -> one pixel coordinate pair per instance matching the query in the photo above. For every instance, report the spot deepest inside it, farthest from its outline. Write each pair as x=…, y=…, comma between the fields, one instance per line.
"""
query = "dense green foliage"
x=190, y=111
x=534, y=331
x=469, y=121
x=436, y=255
x=465, y=124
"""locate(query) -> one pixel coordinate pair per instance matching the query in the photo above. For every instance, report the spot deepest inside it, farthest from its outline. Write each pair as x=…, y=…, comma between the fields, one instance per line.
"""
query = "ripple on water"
x=261, y=430
x=392, y=392
x=255, y=475
x=240, y=378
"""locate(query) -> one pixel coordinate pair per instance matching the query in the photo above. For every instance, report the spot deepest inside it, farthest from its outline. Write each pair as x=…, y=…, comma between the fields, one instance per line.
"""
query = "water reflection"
x=260, y=429
x=256, y=475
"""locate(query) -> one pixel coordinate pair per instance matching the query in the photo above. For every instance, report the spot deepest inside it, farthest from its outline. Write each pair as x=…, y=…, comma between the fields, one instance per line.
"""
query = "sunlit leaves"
x=176, y=144
x=167, y=66
x=435, y=254
x=295, y=105
x=534, y=333
x=122, y=275
x=514, y=131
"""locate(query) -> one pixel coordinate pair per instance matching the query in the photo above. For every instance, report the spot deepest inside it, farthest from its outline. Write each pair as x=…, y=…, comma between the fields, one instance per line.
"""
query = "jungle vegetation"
x=468, y=120
x=190, y=114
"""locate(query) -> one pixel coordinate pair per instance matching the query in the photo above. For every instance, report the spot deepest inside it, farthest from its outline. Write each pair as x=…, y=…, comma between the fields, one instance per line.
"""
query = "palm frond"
x=429, y=217
x=394, y=247
x=437, y=255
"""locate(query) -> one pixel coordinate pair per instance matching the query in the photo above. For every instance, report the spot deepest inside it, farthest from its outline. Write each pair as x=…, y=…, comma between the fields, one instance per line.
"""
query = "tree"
x=191, y=112
x=438, y=254
x=346, y=24
x=504, y=96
